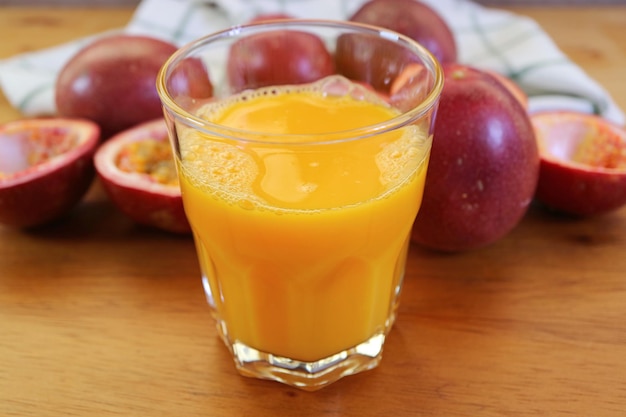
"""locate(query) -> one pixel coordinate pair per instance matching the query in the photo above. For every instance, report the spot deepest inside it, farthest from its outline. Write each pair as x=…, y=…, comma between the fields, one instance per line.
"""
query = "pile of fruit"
x=490, y=158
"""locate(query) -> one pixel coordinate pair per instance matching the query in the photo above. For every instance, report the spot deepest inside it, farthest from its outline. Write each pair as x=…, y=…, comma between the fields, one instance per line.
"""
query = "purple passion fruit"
x=112, y=81
x=277, y=57
x=484, y=164
x=414, y=19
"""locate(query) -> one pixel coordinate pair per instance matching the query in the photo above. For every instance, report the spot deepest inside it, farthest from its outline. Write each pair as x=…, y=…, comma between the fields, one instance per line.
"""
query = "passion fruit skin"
x=112, y=81
x=512, y=86
x=43, y=193
x=190, y=80
x=145, y=202
x=569, y=187
x=483, y=168
x=413, y=19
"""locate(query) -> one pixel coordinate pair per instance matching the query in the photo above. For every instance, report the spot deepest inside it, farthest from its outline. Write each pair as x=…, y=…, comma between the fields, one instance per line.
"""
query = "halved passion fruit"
x=583, y=163
x=137, y=170
x=46, y=167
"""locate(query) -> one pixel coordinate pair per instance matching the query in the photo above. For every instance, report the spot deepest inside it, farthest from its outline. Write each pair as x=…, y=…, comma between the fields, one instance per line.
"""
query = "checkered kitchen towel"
x=487, y=38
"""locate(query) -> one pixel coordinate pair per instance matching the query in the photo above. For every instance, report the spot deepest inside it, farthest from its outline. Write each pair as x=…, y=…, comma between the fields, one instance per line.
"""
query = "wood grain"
x=99, y=317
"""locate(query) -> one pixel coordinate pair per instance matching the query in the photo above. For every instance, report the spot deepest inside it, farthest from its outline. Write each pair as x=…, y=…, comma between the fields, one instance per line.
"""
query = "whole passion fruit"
x=46, y=167
x=137, y=170
x=484, y=164
x=278, y=57
x=112, y=81
x=371, y=60
x=414, y=19
x=583, y=163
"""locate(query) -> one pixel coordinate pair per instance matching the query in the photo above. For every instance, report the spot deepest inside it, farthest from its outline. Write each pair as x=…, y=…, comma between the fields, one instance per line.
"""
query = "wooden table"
x=99, y=317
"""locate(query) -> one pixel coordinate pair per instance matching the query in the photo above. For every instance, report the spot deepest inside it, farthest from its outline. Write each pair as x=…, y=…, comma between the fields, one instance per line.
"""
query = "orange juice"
x=303, y=243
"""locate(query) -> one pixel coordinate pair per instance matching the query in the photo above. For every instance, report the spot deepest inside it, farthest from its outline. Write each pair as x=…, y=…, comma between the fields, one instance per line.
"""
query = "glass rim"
x=403, y=119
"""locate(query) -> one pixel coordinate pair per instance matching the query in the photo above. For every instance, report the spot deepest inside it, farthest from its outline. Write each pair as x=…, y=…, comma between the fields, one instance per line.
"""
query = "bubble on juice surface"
x=246, y=204
x=399, y=159
x=307, y=187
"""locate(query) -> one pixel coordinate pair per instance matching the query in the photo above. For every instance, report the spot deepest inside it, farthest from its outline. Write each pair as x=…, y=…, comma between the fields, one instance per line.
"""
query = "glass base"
x=308, y=376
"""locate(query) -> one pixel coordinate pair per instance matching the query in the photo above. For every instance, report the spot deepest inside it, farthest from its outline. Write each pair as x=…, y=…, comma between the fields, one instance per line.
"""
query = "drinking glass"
x=301, y=149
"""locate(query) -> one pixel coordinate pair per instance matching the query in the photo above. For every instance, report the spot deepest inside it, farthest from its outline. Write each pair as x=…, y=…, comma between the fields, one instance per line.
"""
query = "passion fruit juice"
x=303, y=243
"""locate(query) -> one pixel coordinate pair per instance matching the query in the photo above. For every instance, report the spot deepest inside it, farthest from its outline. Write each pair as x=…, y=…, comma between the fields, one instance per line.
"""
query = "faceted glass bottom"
x=309, y=376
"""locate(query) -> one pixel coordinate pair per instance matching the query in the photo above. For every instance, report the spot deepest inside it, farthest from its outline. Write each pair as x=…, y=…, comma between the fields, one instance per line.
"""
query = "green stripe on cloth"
x=33, y=94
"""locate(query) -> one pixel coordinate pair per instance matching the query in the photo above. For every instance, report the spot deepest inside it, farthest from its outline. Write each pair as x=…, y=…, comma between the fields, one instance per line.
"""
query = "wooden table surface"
x=99, y=317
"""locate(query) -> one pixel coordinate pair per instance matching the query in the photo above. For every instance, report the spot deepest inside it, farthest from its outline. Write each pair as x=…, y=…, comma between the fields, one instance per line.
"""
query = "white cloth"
x=510, y=44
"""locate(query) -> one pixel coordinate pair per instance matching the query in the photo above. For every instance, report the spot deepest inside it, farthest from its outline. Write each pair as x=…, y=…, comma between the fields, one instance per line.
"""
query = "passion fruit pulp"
x=583, y=163
x=46, y=167
x=137, y=170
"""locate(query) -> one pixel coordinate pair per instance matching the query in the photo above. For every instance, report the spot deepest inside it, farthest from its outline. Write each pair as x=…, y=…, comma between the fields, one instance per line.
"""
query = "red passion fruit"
x=583, y=163
x=112, y=81
x=379, y=62
x=277, y=57
x=137, y=170
x=371, y=60
x=46, y=167
x=484, y=164
x=413, y=19
x=190, y=79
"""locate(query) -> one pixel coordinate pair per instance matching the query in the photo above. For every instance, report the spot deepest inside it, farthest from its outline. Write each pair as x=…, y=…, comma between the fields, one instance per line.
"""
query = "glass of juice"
x=301, y=148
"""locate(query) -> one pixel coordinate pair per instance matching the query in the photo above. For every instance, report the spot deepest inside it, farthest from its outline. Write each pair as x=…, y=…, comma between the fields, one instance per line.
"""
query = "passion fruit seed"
x=601, y=148
x=48, y=143
x=150, y=157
